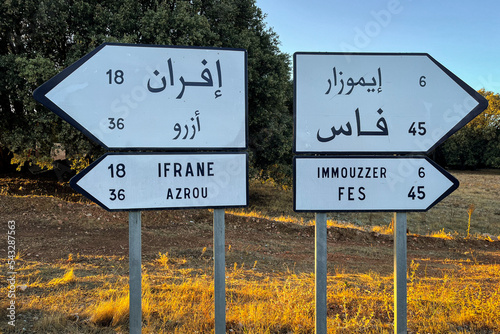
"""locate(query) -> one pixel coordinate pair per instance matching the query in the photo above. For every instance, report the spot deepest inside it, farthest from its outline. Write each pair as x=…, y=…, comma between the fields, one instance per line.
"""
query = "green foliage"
x=477, y=145
x=39, y=38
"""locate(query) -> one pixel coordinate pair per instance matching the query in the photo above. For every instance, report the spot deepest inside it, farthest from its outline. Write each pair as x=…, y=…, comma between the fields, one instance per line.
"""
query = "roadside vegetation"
x=89, y=294
x=72, y=265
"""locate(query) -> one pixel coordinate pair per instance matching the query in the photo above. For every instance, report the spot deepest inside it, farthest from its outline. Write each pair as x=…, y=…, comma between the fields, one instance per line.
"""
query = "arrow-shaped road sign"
x=369, y=183
x=144, y=181
x=377, y=103
x=144, y=96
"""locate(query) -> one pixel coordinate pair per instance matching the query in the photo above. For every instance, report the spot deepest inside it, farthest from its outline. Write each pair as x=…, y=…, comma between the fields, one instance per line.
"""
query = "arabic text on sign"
x=206, y=75
x=351, y=83
x=381, y=125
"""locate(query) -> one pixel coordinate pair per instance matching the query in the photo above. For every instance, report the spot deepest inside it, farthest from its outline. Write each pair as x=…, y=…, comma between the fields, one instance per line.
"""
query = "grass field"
x=481, y=188
x=72, y=265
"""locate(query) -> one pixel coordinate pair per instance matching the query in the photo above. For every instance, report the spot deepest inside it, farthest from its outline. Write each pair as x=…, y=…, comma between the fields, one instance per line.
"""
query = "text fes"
x=349, y=193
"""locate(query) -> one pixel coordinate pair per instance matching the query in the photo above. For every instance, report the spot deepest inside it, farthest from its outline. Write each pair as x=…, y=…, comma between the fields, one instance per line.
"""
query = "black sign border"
x=450, y=177
x=74, y=180
x=482, y=102
x=40, y=95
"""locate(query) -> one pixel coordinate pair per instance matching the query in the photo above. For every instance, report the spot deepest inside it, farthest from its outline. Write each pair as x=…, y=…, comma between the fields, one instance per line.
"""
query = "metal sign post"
x=320, y=273
x=219, y=272
x=400, y=307
x=135, y=275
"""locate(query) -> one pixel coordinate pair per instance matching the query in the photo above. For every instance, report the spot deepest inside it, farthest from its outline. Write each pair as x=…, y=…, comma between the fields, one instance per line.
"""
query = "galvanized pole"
x=219, y=272
x=320, y=255
x=135, y=289
x=400, y=309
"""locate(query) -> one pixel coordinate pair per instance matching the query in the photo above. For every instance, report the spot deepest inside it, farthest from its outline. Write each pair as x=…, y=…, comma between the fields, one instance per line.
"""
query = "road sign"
x=143, y=181
x=377, y=103
x=144, y=96
x=362, y=183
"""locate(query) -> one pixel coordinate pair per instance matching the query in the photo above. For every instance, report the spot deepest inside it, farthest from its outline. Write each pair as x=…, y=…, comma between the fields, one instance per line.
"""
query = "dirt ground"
x=59, y=223
x=54, y=224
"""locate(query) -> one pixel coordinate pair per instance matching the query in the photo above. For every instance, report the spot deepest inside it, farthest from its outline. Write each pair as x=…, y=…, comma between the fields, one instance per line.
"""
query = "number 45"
x=420, y=194
x=421, y=129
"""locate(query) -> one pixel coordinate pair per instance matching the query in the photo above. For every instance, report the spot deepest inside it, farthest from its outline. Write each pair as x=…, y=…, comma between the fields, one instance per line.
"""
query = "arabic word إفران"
x=206, y=75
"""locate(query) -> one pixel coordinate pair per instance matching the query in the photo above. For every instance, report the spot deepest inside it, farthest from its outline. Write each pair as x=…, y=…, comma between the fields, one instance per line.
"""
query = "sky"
x=462, y=35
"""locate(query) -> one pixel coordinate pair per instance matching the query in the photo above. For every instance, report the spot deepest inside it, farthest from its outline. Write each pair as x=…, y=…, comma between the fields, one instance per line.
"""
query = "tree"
x=39, y=38
x=477, y=145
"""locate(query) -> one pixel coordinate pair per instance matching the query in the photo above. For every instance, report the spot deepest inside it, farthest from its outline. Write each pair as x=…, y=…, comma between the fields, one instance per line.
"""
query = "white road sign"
x=144, y=96
x=369, y=183
x=165, y=181
x=377, y=103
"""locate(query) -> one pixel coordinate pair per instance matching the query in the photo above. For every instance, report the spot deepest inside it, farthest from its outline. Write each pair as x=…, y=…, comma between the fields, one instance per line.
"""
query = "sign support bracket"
x=400, y=306
x=135, y=275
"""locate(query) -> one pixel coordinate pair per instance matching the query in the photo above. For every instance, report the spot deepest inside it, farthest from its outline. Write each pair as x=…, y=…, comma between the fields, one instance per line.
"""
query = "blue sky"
x=463, y=35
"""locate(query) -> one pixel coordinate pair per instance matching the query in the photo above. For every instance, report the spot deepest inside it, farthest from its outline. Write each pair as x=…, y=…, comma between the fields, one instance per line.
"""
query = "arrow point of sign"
x=40, y=94
x=75, y=179
x=369, y=183
x=421, y=93
x=111, y=84
x=153, y=181
x=454, y=183
x=466, y=116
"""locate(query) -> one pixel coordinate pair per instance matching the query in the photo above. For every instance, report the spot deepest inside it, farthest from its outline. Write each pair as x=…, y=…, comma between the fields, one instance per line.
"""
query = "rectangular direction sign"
x=141, y=181
x=126, y=96
x=377, y=103
x=369, y=183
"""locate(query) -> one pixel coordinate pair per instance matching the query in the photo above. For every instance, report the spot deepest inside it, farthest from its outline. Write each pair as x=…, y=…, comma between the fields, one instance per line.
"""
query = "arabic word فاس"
x=381, y=125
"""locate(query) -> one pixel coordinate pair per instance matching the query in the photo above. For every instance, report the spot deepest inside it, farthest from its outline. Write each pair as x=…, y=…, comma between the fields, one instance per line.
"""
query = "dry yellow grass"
x=68, y=277
x=109, y=312
x=465, y=299
x=461, y=294
x=301, y=220
x=479, y=187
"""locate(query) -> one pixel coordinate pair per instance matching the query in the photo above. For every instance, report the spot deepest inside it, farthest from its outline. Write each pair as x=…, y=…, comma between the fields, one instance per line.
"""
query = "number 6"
x=422, y=81
x=421, y=172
